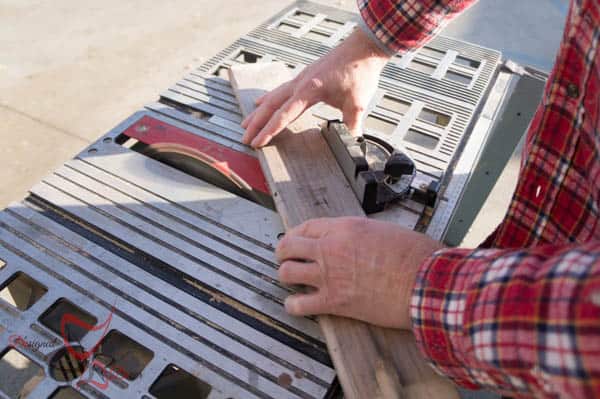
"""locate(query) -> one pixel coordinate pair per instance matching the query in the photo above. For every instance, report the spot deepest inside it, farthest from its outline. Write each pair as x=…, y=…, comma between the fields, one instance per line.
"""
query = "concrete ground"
x=72, y=69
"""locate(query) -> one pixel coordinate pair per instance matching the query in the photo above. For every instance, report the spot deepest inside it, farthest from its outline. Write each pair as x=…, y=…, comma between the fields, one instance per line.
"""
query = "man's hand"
x=346, y=79
x=357, y=267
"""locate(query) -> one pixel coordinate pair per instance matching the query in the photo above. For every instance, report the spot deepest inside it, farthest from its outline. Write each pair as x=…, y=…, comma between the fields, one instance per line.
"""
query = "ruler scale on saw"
x=164, y=230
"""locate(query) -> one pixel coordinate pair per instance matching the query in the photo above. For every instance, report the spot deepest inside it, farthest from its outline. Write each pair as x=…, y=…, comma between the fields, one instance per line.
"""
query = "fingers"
x=353, y=115
x=306, y=273
x=260, y=99
x=306, y=304
x=289, y=112
x=248, y=118
x=270, y=102
x=296, y=248
x=313, y=228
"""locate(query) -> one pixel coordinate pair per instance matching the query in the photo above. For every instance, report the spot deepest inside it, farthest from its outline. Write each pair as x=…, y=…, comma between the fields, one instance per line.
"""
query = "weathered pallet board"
x=306, y=182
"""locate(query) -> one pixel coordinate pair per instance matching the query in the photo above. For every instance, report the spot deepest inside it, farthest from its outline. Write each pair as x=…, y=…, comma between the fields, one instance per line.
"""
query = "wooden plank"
x=306, y=182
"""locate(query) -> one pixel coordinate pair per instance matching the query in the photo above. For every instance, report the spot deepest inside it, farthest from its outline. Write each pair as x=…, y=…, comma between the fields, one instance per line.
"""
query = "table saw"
x=144, y=267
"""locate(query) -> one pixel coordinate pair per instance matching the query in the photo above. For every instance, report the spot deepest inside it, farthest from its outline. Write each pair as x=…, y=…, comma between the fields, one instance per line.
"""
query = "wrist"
x=422, y=253
x=363, y=48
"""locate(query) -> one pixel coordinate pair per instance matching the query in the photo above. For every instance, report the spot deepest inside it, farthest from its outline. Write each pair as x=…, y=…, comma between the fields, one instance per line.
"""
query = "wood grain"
x=307, y=182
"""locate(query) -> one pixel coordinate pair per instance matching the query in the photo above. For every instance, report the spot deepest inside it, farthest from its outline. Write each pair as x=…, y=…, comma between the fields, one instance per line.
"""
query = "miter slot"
x=197, y=282
x=201, y=318
x=163, y=337
x=140, y=316
x=196, y=258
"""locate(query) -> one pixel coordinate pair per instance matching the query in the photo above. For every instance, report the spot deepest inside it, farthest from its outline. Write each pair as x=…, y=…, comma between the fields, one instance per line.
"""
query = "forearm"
x=399, y=26
x=524, y=321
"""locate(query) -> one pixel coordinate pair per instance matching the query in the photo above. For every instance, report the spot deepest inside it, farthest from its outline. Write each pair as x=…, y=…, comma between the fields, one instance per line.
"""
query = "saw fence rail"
x=132, y=272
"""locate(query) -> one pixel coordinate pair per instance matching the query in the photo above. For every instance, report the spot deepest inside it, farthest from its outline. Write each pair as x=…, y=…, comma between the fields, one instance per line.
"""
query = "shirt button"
x=572, y=90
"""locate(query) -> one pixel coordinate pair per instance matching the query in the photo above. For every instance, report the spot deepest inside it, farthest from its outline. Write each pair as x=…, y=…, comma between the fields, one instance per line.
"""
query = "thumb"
x=353, y=116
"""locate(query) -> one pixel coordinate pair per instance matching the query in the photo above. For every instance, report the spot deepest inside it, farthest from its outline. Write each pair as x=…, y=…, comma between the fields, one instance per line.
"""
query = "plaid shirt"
x=521, y=313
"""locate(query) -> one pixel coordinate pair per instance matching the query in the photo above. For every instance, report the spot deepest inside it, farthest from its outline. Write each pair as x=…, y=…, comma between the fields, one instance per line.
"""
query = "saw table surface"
x=127, y=274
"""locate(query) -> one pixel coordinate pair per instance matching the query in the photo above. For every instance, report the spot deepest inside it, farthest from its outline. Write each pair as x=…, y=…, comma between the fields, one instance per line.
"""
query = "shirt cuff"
x=438, y=309
x=387, y=50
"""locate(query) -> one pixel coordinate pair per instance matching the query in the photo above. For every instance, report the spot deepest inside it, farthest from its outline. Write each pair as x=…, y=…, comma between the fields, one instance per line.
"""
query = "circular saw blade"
x=204, y=167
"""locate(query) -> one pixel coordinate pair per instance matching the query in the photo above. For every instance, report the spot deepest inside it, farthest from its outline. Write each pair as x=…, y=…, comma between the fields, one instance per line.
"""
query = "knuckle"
x=313, y=84
x=293, y=307
x=284, y=272
x=283, y=115
x=268, y=104
x=282, y=247
x=306, y=226
x=356, y=107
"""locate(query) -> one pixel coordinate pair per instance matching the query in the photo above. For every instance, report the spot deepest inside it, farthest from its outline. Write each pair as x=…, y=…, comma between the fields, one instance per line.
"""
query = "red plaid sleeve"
x=521, y=322
x=398, y=26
